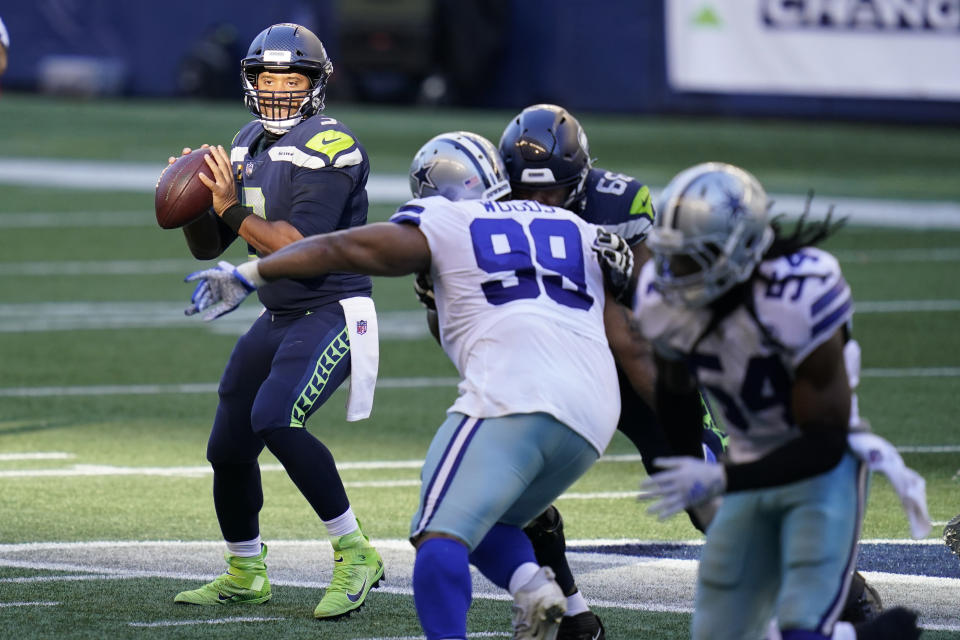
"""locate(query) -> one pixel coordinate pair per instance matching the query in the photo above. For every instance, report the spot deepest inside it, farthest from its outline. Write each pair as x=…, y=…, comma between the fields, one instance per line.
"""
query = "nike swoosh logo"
x=338, y=558
x=332, y=140
x=224, y=598
x=596, y=636
x=353, y=597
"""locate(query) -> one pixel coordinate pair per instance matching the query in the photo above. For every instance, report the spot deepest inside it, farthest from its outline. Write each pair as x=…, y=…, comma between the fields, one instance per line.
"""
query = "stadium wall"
x=891, y=60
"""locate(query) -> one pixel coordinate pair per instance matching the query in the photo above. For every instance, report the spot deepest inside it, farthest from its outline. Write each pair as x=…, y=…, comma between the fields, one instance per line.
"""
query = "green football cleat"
x=357, y=568
x=245, y=582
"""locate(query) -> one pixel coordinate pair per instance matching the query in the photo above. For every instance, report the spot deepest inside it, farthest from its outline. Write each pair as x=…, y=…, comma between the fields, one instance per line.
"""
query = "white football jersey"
x=520, y=302
x=801, y=301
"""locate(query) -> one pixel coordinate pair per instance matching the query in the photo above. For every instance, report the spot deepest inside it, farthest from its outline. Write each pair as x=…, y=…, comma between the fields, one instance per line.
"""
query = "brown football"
x=181, y=197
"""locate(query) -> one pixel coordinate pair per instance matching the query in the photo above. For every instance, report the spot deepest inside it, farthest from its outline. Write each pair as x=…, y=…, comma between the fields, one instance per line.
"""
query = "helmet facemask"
x=280, y=111
x=282, y=49
x=711, y=232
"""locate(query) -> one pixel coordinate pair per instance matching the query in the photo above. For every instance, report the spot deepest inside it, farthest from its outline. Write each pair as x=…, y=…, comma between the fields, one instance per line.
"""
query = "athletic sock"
x=246, y=549
x=442, y=588
x=576, y=604
x=501, y=551
x=342, y=525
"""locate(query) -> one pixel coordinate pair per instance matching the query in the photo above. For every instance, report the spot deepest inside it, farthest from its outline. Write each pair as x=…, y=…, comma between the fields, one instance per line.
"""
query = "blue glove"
x=616, y=261
x=220, y=291
x=687, y=482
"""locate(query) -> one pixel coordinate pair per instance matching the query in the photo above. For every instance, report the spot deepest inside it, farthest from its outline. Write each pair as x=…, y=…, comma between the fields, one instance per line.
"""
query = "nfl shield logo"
x=361, y=327
x=249, y=168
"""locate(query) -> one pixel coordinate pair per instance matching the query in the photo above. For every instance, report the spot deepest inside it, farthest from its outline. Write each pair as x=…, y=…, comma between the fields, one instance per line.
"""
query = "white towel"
x=361, y=317
x=910, y=486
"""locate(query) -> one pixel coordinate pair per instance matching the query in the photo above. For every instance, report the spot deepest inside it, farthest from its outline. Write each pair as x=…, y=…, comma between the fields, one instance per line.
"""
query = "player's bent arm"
x=319, y=200
x=380, y=249
x=268, y=236
x=821, y=408
x=208, y=237
x=630, y=349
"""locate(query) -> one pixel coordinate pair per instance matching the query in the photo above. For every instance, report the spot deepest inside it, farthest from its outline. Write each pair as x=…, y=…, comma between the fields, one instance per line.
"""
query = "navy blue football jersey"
x=284, y=182
x=618, y=203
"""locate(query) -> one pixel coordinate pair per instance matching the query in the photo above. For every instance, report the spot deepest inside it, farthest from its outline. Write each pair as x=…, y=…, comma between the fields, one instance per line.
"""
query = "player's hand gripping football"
x=616, y=260
x=220, y=181
x=221, y=290
x=686, y=482
x=186, y=151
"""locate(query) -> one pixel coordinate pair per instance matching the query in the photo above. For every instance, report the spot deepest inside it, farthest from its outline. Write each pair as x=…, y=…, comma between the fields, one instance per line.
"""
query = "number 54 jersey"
x=520, y=303
x=748, y=362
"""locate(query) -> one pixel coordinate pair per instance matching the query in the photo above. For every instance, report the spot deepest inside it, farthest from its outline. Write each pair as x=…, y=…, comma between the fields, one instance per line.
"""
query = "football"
x=181, y=197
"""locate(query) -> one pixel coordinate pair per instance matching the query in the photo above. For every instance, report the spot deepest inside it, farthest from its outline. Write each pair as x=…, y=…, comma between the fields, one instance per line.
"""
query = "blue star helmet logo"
x=735, y=206
x=422, y=176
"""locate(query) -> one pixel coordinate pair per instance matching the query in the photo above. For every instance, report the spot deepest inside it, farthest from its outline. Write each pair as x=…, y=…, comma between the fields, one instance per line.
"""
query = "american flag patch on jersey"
x=471, y=182
x=361, y=327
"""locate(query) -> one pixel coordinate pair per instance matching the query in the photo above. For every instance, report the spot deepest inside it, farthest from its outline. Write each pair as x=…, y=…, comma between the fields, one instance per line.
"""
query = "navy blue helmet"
x=285, y=48
x=544, y=147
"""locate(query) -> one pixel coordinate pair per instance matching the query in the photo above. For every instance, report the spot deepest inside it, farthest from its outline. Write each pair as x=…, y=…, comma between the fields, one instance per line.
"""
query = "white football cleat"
x=538, y=607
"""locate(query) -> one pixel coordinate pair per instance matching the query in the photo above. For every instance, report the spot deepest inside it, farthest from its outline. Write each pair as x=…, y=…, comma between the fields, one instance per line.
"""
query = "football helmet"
x=285, y=48
x=544, y=147
x=711, y=231
x=459, y=166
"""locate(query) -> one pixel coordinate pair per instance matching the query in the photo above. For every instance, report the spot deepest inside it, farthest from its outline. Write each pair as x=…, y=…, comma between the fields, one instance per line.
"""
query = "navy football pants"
x=280, y=372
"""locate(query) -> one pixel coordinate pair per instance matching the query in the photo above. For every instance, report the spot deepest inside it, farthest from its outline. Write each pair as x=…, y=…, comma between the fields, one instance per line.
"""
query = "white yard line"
x=191, y=388
x=29, y=604
x=141, y=177
x=382, y=383
x=183, y=266
x=670, y=580
x=188, y=623
x=102, y=470
x=36, y=455
x=394, y=325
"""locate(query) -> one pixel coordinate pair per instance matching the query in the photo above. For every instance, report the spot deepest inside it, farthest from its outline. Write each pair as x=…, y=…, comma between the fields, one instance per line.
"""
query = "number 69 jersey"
x=520, y=302
x=748, y=364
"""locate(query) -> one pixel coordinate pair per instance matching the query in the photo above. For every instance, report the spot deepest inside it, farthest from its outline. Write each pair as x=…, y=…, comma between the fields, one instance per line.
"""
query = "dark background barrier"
x=607, y=56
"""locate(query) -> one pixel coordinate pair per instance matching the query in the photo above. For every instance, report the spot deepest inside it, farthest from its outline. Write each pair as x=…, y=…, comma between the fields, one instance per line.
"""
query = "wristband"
x=251, y=271
x=234, y=216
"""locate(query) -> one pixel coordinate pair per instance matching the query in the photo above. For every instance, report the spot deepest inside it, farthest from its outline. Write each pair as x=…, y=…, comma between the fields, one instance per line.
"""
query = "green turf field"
x=89, y=310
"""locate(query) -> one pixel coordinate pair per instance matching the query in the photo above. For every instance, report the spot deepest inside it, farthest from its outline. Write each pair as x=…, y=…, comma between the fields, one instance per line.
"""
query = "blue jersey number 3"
x=501, y=245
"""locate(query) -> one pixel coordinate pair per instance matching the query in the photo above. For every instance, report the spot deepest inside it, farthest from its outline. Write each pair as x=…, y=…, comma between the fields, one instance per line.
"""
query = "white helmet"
x=710, y=233
x=459, y=166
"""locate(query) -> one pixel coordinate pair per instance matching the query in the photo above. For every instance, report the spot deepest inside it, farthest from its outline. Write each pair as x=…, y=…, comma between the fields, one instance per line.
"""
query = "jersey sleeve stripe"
x=401, y=218
x=412, y=208
x=834, y=319
x=821, y=303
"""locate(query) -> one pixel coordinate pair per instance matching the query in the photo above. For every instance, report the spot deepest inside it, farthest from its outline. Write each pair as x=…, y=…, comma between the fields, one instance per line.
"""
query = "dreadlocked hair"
x=805, y=233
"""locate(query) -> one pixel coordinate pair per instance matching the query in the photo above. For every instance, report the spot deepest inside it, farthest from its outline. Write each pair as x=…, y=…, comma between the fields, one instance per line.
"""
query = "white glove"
x=221, y=289
x=616, y=261
x=687, y=482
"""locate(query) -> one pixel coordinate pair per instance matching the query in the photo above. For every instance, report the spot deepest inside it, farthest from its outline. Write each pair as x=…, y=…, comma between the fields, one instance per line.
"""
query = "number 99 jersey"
x=520, y=303
x=748, y=363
